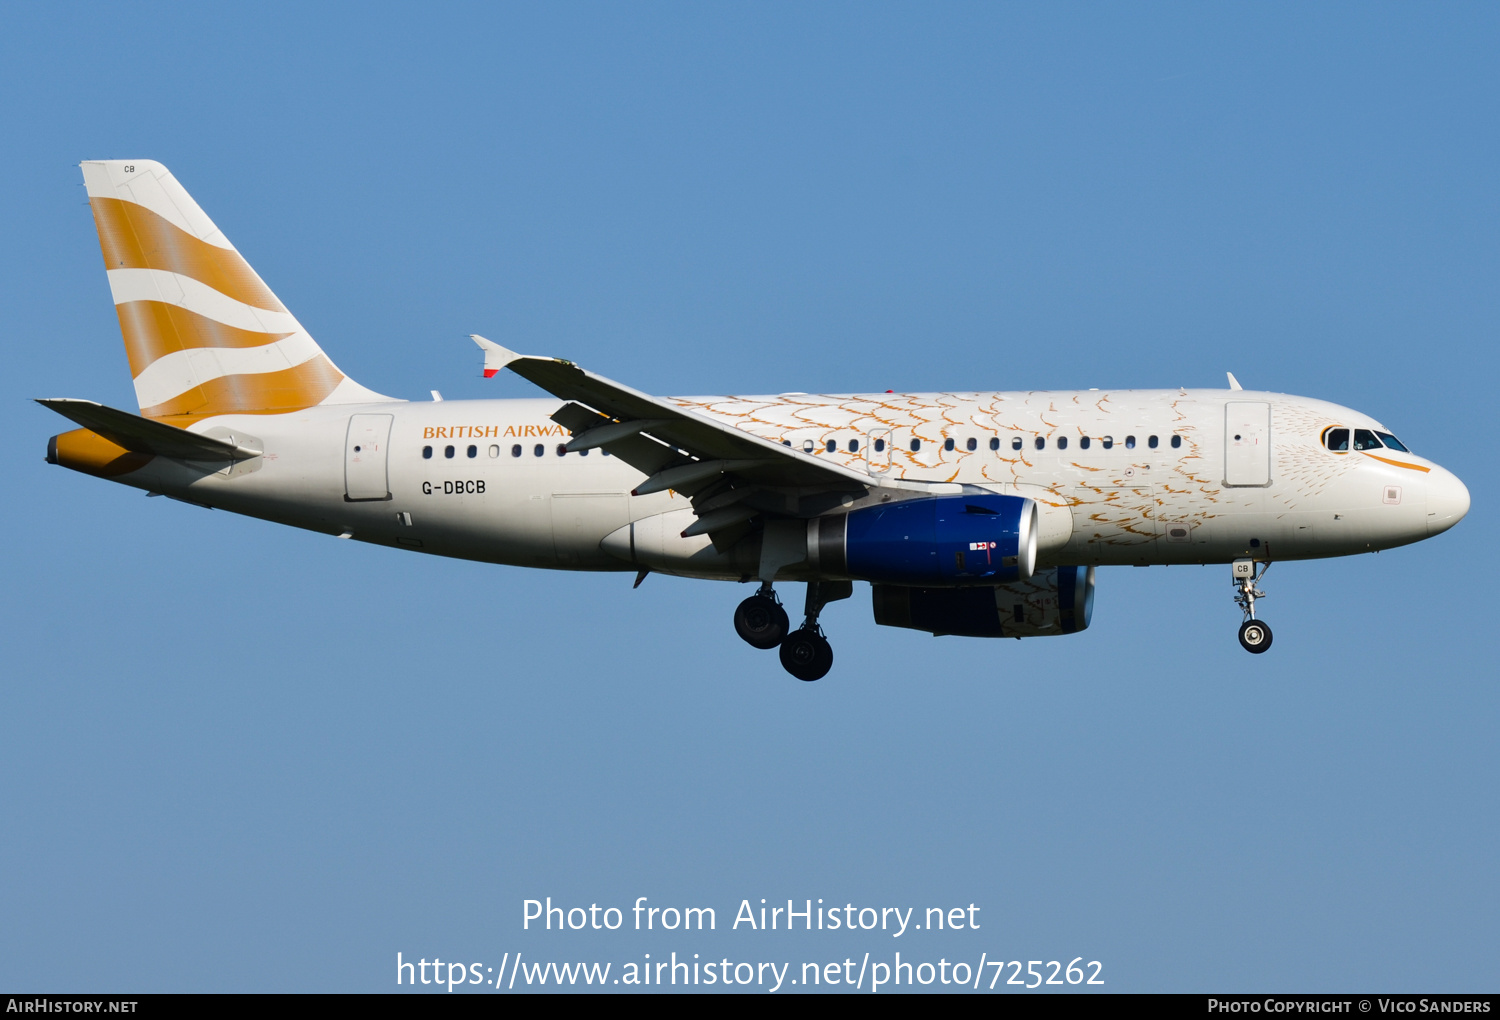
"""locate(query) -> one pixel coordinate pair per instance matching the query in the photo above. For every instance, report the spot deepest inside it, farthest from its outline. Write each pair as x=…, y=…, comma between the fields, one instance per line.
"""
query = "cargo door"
x=365, y=456
x=1119, y=514
x=1247, y=443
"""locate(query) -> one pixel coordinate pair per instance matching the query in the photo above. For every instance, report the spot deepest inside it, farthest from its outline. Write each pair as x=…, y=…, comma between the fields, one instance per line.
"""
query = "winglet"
x=1234, y=383
x=495, y=356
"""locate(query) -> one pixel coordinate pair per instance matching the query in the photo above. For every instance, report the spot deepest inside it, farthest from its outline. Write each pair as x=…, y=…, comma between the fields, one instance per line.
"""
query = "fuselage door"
x=1247, y=443
x=878, y=451
x=365, y=456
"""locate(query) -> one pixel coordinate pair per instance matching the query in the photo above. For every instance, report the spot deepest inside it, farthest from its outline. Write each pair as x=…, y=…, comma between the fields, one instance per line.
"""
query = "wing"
x=732, y=477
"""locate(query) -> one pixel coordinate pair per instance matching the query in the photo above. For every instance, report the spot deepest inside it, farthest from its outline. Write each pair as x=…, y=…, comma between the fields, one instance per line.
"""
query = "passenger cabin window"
x=1015, y=443
x=473, y=451
x=562, y=449
x=1391, y=442
x=515, y=451
x=972, y=444
x=1176, y=442
x=538, y=450
x=854, y=446
x=494, y=452
x=448, y=452
x=1130, y=442
x=1151, y=441
x=995, y=443
x=832, y=445
x=1083, y=444
x=880, y=446
x=1337, y=440
x=1062, y=442
x=1041, y=442
x=916, y=445
x=1108, y=442
x=426, y=453
x=807, y=446
x=948, y=445
x=1364, y=439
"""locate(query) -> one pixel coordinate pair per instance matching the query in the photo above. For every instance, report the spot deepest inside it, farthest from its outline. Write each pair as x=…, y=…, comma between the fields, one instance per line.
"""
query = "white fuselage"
x=506, y=495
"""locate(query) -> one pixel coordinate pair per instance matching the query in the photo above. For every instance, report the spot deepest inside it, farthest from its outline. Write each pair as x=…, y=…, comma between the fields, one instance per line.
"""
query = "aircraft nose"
x=1447, y=500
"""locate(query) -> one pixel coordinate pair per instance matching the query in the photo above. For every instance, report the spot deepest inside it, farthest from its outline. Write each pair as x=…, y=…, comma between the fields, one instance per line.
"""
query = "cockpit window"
x=1391, y=442
x=1364, y=439
x=1337, y=440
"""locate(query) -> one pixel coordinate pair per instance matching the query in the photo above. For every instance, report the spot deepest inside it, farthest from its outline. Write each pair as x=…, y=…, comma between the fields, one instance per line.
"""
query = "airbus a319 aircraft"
x=981, y=514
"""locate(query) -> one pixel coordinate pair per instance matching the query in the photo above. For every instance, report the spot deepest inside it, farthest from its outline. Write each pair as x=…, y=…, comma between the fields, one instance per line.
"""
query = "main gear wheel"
x=761, y=621
x=806, y=654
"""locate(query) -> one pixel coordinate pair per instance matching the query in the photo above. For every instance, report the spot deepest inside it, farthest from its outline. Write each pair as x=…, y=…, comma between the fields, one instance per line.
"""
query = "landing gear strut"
x=760, y=620
x=1255, y=635
x=806, y=653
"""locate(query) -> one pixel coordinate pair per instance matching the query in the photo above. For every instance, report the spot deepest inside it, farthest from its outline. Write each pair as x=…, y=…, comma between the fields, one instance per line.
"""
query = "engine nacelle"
x=1059, y=600
x=938, y=540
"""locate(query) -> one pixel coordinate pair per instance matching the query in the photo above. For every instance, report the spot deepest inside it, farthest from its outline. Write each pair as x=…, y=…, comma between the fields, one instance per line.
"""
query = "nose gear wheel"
x=1255, y=635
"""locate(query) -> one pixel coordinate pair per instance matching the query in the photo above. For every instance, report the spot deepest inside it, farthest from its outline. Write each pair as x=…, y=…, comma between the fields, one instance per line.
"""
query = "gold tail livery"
x=981, y=514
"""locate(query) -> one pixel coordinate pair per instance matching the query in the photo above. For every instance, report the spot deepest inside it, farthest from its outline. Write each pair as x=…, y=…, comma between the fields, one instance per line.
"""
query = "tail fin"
x=203, y=332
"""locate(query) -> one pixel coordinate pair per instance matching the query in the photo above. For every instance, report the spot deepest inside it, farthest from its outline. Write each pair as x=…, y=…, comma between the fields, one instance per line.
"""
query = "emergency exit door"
x=1247, y=443
x=878, y=451
x=365, y=456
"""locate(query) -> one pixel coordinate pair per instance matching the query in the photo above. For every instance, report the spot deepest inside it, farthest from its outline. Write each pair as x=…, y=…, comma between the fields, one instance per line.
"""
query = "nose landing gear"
x=1255, y=635
x=805, y=652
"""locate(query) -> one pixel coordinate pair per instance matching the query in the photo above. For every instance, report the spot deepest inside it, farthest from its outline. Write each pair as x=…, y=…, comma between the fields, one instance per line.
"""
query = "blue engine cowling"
x=939, y=541
x=1059, y=600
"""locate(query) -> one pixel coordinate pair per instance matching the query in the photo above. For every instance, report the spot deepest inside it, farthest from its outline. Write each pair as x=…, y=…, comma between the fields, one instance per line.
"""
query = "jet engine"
x=939, y=540
x=1059, y=600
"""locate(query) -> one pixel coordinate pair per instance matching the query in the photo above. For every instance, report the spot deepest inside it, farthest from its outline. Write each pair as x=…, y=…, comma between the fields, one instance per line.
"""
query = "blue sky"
x=239, y=757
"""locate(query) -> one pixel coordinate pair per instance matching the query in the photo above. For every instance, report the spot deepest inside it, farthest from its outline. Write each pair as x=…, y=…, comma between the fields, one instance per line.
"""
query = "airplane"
x=980, y=514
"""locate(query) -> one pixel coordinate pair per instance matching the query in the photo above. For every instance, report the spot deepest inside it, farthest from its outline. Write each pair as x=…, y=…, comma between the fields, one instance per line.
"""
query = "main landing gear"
x=760, y=620
x=805, y=652
x=1255, y=635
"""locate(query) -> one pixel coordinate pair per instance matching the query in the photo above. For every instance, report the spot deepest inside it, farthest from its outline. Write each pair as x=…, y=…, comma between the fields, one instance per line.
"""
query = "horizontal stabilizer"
x=142, y=435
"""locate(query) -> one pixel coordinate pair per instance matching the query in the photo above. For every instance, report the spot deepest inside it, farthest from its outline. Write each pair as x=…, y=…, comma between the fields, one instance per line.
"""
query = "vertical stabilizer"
x=203, y=332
